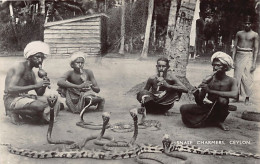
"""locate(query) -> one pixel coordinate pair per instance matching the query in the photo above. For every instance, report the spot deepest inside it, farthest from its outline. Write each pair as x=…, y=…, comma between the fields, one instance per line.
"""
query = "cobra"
x=98, y=139
x=160, y=159
x=82, y=152
x=170, y=147
x=131, y=144
x=52, y=100
x=143, y=124
x=89, y=125
x=122, y=127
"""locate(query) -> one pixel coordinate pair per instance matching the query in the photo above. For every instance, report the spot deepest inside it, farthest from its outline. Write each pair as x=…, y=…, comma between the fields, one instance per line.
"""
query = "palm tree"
x=122, y=44
x=171, y=24
x=177, y=49
x=148, y=29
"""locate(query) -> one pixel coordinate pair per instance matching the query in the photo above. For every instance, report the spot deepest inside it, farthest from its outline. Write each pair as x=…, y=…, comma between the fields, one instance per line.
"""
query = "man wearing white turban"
x=79, y=86
x=20, y=80
x=217, y=88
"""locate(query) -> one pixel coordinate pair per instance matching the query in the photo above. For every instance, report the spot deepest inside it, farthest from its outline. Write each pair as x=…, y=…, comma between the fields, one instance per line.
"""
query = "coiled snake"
x=122, y=127
x=143, y=124
x=130, y=145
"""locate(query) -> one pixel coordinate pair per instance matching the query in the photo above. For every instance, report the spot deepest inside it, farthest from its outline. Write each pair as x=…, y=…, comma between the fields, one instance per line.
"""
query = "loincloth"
x=158, y=103
x=242, y=72
x=165, y=98
x=18, y=102
x=244, y=49
x=194, y=115
x=75, y=99
x=14, y=102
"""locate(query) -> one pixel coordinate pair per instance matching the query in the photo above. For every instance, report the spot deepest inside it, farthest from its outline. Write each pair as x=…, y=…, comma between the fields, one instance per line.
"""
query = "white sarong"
x=243, y=64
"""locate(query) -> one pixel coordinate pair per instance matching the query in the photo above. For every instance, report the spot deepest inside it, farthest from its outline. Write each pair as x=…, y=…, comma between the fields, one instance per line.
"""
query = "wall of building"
x=66, y=38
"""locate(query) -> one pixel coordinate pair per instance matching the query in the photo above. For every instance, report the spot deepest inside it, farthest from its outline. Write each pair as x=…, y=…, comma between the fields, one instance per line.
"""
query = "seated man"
x=219, y=88
x=161, y=90
x=78, y=86
x=21, y=79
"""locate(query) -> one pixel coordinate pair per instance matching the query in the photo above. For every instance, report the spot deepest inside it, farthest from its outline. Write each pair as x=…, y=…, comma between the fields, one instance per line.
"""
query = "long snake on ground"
x=170, y=147
x=82, y=152
x=131, y=150
x=52, y=100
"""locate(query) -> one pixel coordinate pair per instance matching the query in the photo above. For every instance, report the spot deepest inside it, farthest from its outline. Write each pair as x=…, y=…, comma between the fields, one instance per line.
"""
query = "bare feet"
x=15, y=119
x=222, y=126
x=247, y=101
x=236, y=100
x=168, y=113
x=232, y=108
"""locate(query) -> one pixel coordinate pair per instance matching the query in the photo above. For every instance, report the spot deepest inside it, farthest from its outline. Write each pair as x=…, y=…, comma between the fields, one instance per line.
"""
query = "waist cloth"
x=158, y=103
x=194, y=115
x=245, y=78
x=19, y=101
x=75, y=99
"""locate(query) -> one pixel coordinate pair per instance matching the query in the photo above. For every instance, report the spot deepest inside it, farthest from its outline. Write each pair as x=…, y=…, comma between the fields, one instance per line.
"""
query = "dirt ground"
x=116, y=76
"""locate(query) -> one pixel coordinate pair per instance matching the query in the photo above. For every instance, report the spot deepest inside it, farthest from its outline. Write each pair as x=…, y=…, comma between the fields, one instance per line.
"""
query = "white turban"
x=36, y=46
x=223, y=58
x=76, y=55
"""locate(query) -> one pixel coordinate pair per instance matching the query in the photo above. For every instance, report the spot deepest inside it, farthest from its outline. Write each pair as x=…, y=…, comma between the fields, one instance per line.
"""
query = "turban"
x=36, y=46
x=76, y=55
x=223, y=58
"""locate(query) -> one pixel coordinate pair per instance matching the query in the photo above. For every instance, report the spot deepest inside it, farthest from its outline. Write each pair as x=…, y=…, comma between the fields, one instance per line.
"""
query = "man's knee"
x=143, y=93
x=37, y=106
x=184, y=108
x=97, y=100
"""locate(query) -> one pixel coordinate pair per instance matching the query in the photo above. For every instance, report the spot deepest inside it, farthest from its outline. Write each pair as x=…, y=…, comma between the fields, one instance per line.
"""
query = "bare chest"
x=27, y=78
x=78, y=78
x=246, y=38
x=220, y=85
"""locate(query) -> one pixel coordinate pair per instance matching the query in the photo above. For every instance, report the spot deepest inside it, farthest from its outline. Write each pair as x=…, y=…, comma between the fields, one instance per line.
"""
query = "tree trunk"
x=257, y=10
x=154, y=32
x=148, y=29
x=13, y=24
x=171, y=25
x=178, y=48
x=11, y=11
x=42, y=7
x=130, y=42
x=122, y=45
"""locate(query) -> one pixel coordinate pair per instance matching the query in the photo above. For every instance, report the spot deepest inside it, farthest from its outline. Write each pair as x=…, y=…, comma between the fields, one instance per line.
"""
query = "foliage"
x=228, y=16
x=15, y=37
x=227, y=19
x=7, y=38
x=136, y=15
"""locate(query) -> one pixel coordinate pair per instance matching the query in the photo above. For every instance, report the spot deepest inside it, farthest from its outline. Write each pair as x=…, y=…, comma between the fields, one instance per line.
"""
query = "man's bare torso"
x=246, y=39
x=76, y=78
x=220, y=85
x=26, y=78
